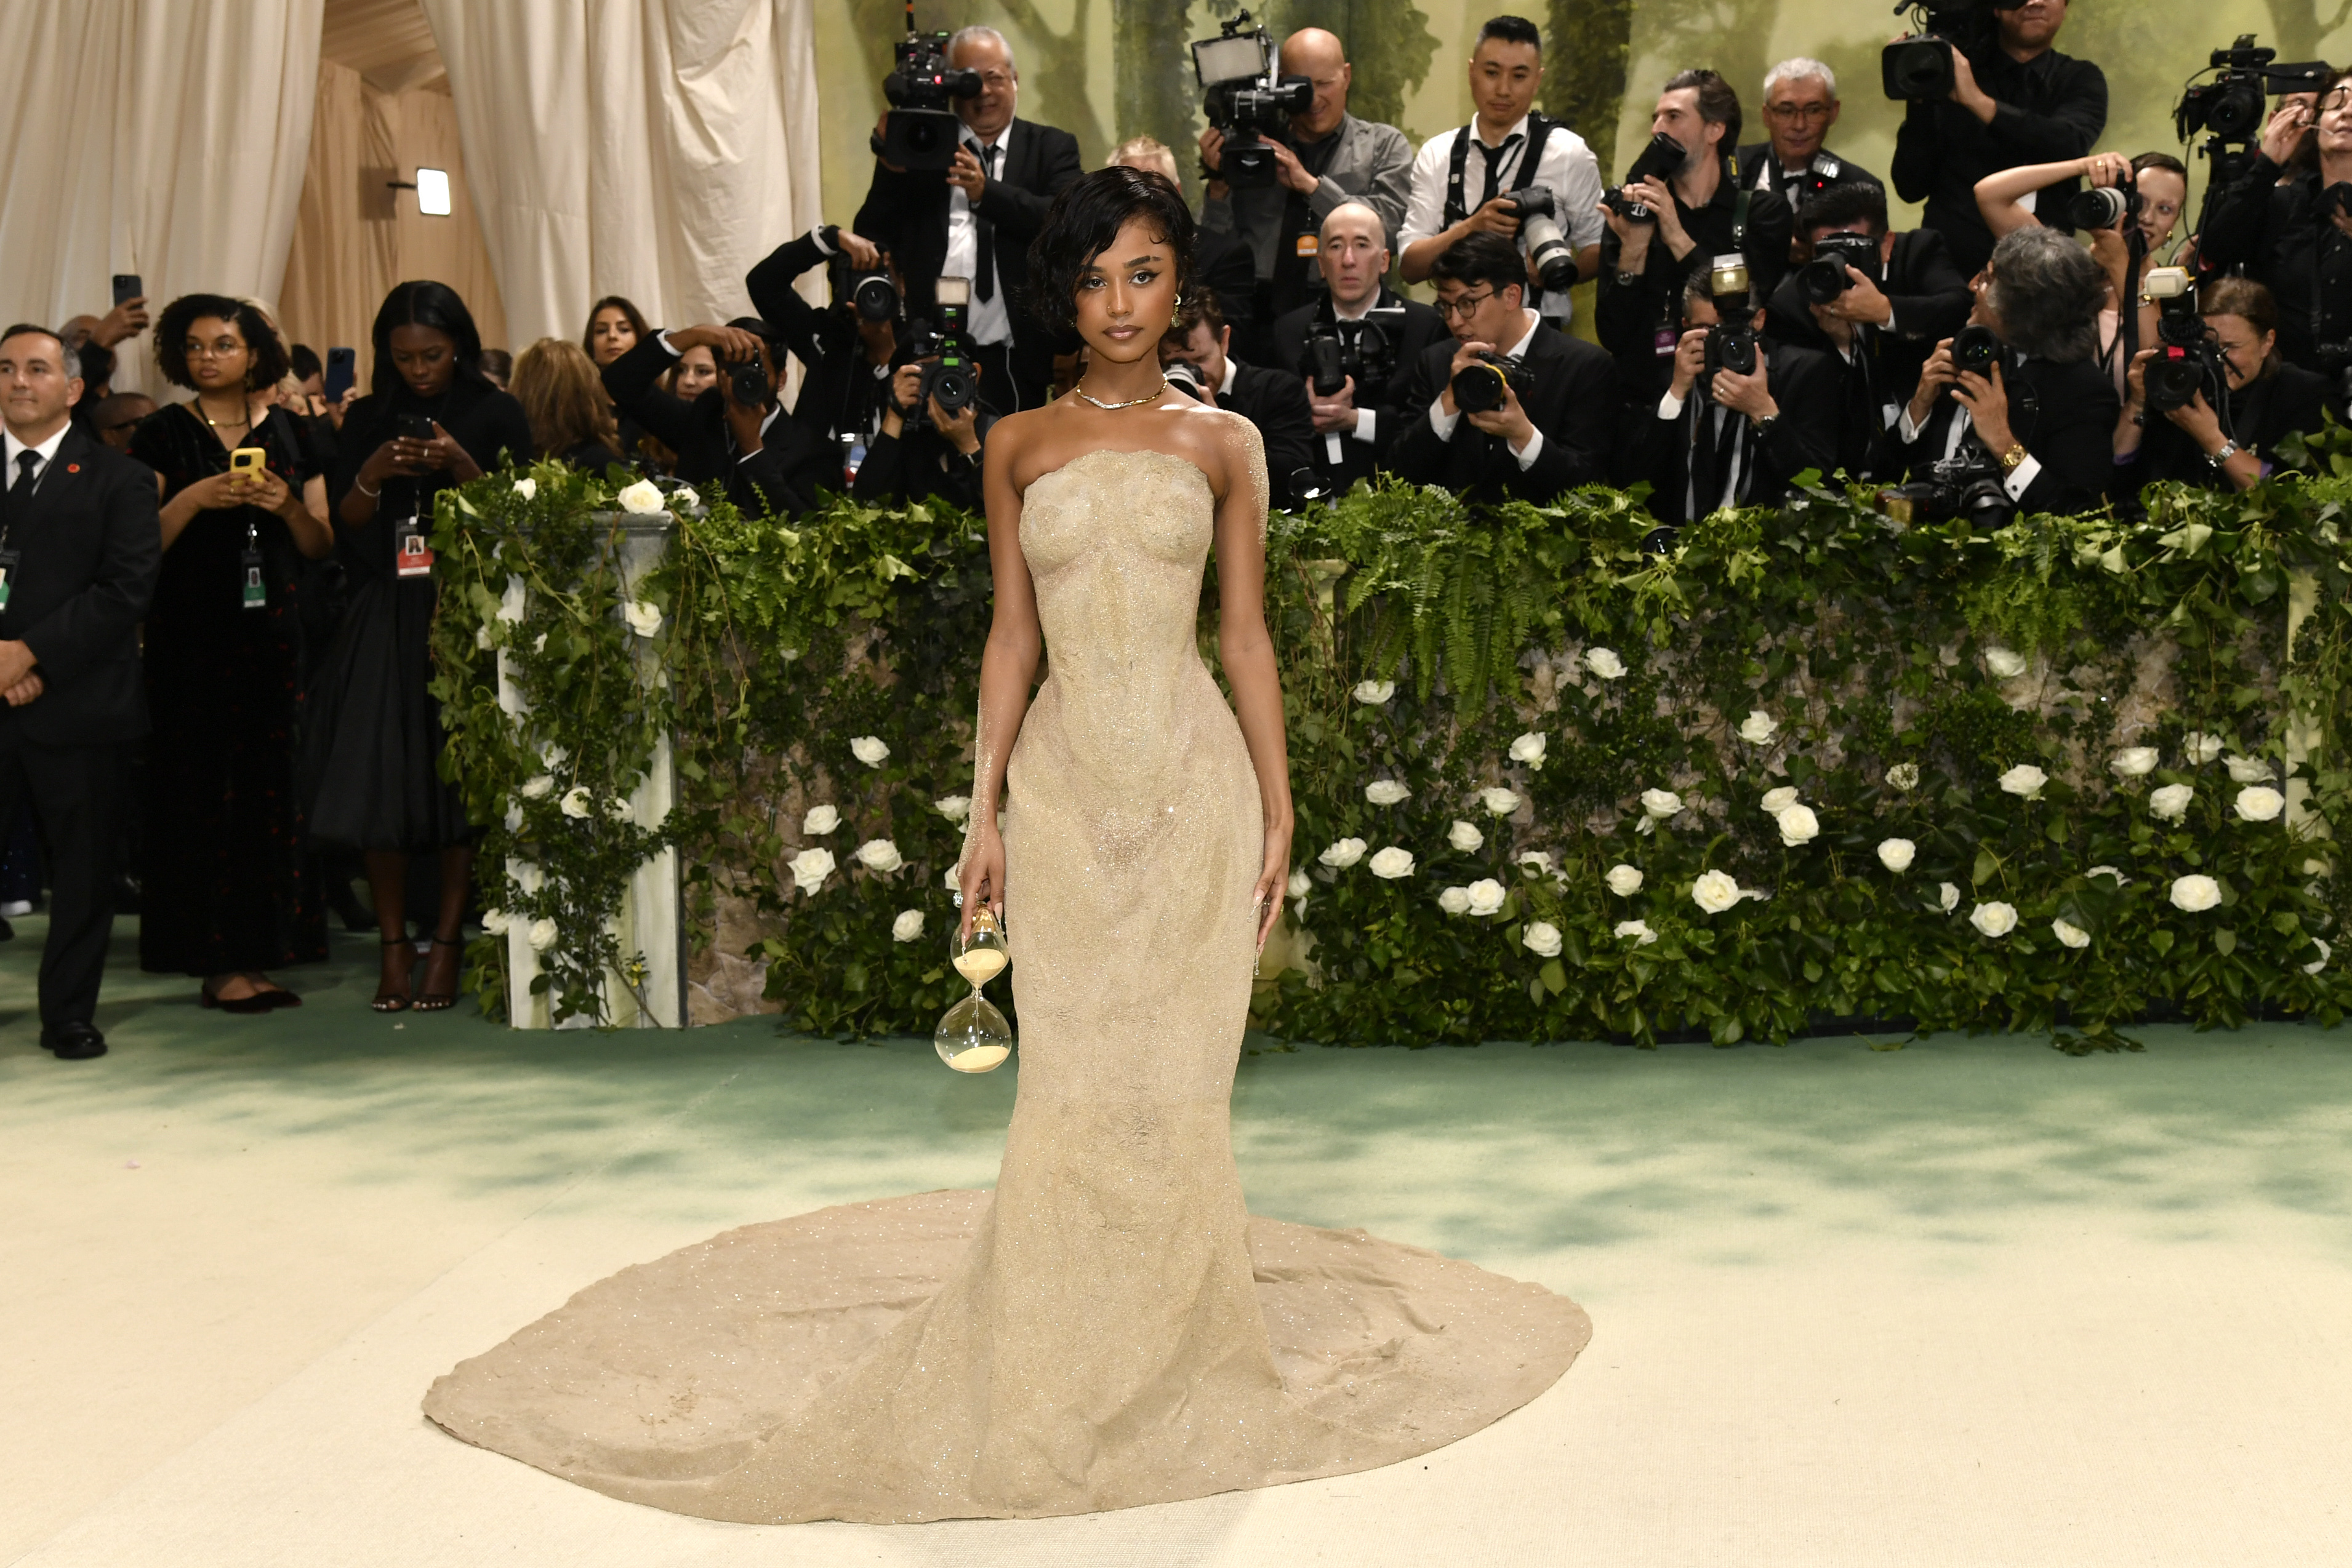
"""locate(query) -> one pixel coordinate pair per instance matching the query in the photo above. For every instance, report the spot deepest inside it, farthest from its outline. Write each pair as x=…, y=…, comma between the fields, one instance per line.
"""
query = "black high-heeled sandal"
x=391, y=1001
x=432, y=1001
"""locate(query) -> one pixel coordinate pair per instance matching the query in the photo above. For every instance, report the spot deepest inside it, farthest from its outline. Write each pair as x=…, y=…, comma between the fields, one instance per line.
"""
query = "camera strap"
x=1458, y=205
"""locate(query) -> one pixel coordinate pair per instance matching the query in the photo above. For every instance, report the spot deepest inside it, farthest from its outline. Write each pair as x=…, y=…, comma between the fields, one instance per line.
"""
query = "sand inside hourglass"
x=980, y=965
x=979, y=1058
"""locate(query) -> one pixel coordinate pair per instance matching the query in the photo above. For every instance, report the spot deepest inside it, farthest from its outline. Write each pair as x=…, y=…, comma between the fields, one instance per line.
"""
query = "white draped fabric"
x=654, y=148
x=166, y=138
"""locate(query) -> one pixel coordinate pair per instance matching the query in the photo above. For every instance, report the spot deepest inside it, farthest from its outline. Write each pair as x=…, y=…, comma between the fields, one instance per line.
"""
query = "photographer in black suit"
x=766, y=460
x=2043, y=414
x=1551, y=430
x=846, y=350
x=978, y=219
x=1733, y=438
x=921, y=451
x=1351, y=424
x=81, y=544
x=1801, y=105
x=1897, y=296
x=2277, y=223
x=1196, y=357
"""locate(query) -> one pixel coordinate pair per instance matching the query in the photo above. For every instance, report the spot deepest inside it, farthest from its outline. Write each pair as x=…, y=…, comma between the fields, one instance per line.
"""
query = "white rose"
x=2133, y=762
x=497, y=922
x=575, y=801
x=1902, y=776
x=2195, y=893
x=1486, y=895
x=1605, y=663
x=2004, y=664
x=1372, y=693
x=2200, y=747
x=1776, y=801
x=1301, y=884
x=1660, y=803
x=543, y=933
x=1624, y=881
x=1895, y=855
x=1715, y=891
x=809, y=868
x=1343, y=855
x=1393, y=863
x=553, y=758
x=2073, y=935
x=1529, y=748
x=618, y=808
x=1535, y=863
x=1386, y=792
x=644, y=617
x=1465, y=837
x=526, y=489
x=908, y=926
x=954, y=808
x=482, y=638
x=2326, y=953
x=1994, y=919
x=2248, y=770
x=685, y=495
x=537, y=788
x=1758, y=727
x=820, y=821
x=1454, y=901
x=1948, y=895
x=953, y=879
x=1499, y=802
x=1637, y=929
x=539, y=643
x=879, y=855
x=1542, y=938
x=1799, y=826
x=2025, y=780
x=869, y=749
x=2259, y=803
x=2121, y=880
x=643, y=498
x=512, y=601
x=2170, y=801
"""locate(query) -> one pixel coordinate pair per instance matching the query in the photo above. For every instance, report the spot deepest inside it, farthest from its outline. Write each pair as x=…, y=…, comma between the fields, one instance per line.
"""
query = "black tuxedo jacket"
x=1803, y=385
x=89, y=547
x=2065, y=416
x=837, y=388
x=1572, y=401
x=907, y=213
x=1276, y=405
x=783, y=476
x=1361, y=459
x=1221, y=265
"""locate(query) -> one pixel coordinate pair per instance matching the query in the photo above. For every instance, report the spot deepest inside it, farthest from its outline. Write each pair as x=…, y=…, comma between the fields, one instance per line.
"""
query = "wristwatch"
x=2012, y=458
x=1763, y=427
x=2229, y=449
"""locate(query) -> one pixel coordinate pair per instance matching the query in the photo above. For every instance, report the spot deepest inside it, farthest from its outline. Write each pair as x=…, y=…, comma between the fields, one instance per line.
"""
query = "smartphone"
x=127, y=289
x=342, y=372
x=247, y=463
x=415, y=427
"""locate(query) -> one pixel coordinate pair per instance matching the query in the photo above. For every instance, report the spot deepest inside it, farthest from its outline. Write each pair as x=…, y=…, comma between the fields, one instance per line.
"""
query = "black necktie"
x=984, y=286
x=1495, y=156
x=28, y=462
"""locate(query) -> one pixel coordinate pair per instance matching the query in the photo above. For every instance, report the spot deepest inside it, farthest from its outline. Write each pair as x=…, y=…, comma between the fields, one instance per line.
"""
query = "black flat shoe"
x=74, y=1042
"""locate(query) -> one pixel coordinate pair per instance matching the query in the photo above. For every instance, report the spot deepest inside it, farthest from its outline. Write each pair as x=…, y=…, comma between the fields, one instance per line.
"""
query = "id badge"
x=8, y=559
x=1665, y=342
x=412, y=558
x=255, y=592
x=1309, y=247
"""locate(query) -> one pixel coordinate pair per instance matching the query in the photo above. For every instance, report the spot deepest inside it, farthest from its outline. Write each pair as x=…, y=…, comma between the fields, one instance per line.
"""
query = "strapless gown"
x=1109, y=1327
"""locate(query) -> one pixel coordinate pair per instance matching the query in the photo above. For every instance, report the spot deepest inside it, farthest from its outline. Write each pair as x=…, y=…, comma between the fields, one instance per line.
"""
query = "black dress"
x=225, y=888
x=371, y=766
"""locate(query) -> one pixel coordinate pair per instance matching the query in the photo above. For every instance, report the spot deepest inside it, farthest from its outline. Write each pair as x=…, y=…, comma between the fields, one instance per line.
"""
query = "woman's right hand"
x=218, y=492
x=983, y=872
x=2284, y=131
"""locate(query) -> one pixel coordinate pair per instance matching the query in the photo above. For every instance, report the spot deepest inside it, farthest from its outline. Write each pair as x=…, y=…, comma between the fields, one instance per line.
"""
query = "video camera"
x=921, y=131
x=1479, y=387
x=1968, y=487
x=871, y=294
x=950, y=379
x=1658, y=161
x=1824, y=277
x=1364, y=349
x=2231, y=106
x=1918, y=68
x=2186, y=359
x=1731, y=341
x=1246, y=96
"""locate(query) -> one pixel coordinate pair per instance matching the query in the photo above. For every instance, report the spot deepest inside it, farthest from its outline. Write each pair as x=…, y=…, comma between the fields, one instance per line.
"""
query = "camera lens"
x=875, y=299
x=2097, y=209
x=1823, y=280
x=951, y=386
x=1974, y=349
x=1478, y=388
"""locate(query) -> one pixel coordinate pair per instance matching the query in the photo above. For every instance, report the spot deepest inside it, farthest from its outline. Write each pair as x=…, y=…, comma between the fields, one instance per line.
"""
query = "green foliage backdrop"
x=1922, y=777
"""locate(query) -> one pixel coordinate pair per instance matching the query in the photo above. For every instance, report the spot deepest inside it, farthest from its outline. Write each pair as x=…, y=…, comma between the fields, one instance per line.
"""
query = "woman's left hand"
x=1987, y=401
x=1273, y=882
x=263, y=489
x=443, y=452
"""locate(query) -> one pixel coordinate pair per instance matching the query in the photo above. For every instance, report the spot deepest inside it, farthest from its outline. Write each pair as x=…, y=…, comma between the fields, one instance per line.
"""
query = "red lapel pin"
x=73, y=467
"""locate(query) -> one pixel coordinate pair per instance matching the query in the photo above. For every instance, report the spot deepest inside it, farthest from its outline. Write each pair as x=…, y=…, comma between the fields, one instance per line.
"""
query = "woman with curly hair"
x=564, y=399
x=226, y=891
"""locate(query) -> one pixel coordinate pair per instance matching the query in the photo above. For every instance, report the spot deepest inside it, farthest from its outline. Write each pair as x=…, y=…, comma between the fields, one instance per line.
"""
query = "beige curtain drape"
x=356, y=237
x=654, y=148
x=166, y=138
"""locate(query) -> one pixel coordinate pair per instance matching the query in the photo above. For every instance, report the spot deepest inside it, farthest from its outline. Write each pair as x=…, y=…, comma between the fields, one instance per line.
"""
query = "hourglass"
x=973, y=1036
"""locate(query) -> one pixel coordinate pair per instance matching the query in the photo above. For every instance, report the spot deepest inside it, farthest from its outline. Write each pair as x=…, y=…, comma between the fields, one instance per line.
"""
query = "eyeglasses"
x=1462, y=305
x=213, y=350
x=2338, y=98
x=1798, y=110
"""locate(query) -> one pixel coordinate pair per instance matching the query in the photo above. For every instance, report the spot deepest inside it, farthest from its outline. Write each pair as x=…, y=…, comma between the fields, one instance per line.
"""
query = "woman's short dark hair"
x=1083, y=221
x=2046, y=291
x=2250, y=303
x=261, y=339
x=302, y=362
x=635, y=317
x=422, y=303
x=1718, y=103
x=1481, y=257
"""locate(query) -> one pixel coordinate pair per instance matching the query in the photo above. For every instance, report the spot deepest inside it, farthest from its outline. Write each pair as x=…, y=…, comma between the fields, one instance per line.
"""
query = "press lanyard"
x=257, y=595
x=411, y=557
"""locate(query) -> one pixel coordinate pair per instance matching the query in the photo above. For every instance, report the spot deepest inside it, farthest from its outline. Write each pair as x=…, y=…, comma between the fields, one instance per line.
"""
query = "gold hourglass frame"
x=973, y=1036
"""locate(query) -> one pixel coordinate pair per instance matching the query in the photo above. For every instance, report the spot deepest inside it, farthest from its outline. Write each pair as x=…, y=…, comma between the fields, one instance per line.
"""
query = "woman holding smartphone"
x=430, y=419
x=224, y=890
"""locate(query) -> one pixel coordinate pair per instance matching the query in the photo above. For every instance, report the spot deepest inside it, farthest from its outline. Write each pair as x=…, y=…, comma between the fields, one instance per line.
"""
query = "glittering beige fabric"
x=1110, y=1328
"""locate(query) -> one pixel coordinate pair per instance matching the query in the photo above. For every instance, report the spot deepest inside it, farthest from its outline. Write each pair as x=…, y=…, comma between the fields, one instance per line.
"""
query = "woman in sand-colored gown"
x=1109, y=1327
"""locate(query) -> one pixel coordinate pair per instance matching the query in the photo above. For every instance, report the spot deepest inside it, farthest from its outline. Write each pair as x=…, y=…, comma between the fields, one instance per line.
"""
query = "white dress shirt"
x=1567, y=167
x=1443, y=422
x=988, y=319
x=47, y=449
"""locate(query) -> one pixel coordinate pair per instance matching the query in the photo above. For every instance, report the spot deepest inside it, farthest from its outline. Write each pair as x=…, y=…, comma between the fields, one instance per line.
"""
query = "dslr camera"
x=1658, y=161
x=921, y=129
x=1975, y=348
x=1731, y=341
x=1365, y=349
x=2187, y=361
x=1548, y=247
x=1246, y=97
x=950, y=379
x=871, y=294
x=1824, y=278
x=2104, y=207
x=747, y=380
x=1918, y=68
x=1967, y=486
x=2229, y=106
x=1479, y=387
